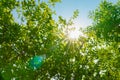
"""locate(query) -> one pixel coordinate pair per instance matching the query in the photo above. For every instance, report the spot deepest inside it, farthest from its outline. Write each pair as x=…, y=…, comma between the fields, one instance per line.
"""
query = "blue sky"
x=66, y=8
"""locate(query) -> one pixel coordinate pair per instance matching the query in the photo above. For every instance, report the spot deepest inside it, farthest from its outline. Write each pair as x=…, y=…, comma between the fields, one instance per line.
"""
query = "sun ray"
x=73, y=33
x=73, y=38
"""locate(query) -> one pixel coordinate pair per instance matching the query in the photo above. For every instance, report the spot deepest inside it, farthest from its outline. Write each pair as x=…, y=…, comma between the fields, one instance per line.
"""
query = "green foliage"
x=107, y=21
x=53, y=2
x=39, y=34
x=19, y=42
x=106, y=27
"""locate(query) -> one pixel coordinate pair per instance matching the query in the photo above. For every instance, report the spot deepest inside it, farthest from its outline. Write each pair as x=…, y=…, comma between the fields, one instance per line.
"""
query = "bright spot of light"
x=73, y=34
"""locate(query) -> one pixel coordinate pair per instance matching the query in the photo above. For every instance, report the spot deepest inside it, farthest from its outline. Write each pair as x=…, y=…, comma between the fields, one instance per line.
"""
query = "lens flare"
x=36, y=62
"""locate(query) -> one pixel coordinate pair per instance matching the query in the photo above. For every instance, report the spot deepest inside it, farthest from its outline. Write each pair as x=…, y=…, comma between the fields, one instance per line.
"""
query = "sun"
x=73, y=34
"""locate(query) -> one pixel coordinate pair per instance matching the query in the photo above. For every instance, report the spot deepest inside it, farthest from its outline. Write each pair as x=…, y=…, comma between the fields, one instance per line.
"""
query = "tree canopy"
x=95, y=56
x=107, y=21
